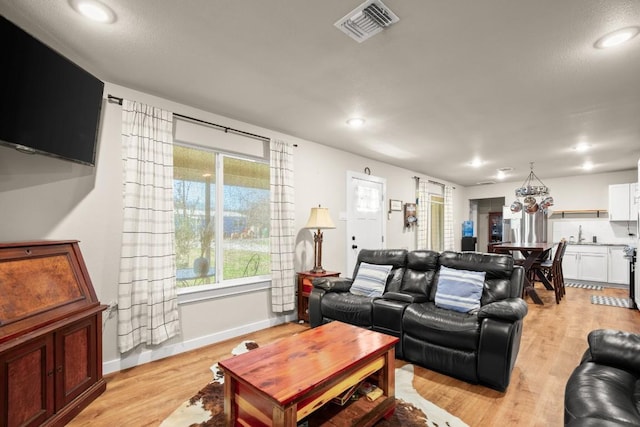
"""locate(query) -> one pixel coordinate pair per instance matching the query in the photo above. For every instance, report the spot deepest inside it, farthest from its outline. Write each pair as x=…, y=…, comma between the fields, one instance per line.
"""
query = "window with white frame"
x=221, y=208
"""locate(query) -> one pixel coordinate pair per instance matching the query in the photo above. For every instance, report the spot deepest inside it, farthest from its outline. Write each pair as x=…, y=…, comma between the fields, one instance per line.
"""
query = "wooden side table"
x=305, y=285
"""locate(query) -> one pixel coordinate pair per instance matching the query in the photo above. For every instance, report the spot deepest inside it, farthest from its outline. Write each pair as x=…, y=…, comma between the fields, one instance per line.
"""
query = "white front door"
x=365, y=215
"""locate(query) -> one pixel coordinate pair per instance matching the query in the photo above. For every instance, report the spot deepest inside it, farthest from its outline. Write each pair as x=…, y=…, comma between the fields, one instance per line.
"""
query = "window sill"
x=220, y=290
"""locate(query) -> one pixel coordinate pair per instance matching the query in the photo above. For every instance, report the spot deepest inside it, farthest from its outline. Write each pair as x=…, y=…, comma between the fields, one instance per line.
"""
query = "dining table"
x=531, y=252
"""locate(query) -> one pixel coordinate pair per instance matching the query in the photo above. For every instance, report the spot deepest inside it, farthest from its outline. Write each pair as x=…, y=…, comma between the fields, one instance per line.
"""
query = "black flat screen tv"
x=48, y=104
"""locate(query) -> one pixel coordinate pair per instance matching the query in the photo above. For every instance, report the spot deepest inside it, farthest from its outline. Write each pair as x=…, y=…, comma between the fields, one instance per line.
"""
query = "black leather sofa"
x=479, y=347
x=604, y=390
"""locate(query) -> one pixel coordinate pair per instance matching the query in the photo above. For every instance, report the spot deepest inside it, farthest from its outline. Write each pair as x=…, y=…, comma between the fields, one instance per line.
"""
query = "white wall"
x=47, y=198
x=321, y=174
x=584, y=192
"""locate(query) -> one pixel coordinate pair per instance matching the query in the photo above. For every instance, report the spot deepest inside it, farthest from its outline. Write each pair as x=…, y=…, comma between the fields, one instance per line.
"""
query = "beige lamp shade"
x=319, y=219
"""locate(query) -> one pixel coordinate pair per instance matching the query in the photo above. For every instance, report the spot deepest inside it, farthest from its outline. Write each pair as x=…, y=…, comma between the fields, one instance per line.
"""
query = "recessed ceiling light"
x=617, y=37
x=94, y=10
x=582, y=147
x=587, y=165
x=502, y=172
x=476, y=163
x=355, y=122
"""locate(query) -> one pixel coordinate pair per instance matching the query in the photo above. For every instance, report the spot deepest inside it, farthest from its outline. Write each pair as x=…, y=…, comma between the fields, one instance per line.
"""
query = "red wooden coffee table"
x=284, y=382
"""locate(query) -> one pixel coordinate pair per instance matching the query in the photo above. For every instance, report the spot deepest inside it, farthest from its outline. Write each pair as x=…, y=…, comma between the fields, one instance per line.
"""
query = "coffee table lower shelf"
x=361, y=412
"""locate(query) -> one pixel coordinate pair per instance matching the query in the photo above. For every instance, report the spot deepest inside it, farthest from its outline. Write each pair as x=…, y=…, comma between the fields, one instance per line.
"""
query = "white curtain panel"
x=422, y=234
x=448, y=218
x=282, y=227
x=147, y=295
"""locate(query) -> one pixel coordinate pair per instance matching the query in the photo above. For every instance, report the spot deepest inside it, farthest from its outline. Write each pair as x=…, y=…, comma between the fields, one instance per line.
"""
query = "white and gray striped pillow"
x=370, y=279
x=459, y=290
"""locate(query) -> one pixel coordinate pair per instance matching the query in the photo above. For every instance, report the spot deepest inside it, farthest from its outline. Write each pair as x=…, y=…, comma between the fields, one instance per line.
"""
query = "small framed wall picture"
x=410, y=215
x=395, y=205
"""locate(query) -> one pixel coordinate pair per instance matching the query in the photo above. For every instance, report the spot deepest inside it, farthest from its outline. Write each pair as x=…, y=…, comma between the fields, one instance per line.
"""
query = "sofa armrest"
x=408, y=297
x=510, y=309
x=333, y=284
x=615, y=348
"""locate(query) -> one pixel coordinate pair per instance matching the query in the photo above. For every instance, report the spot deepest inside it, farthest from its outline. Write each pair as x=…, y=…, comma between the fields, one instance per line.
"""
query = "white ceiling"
x=510, y=82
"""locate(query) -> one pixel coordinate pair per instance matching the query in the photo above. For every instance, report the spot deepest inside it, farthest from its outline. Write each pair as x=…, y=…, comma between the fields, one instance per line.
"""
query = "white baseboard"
x=146, y=356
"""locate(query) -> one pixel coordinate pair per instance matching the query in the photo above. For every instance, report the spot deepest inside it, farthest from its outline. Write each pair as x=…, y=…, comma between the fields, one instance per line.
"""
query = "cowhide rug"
x=206, y=408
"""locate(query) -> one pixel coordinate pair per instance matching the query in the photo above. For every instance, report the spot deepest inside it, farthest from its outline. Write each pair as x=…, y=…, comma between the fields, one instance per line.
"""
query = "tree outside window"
x=222, y=232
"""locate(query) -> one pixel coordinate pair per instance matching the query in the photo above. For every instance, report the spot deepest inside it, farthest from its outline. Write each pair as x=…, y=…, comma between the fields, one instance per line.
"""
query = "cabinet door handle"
x=50, y=373
x=59, y=369
x=354, y=246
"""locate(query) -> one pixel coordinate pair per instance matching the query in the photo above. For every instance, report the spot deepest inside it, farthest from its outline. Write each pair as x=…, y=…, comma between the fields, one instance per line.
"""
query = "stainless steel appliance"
x=534, y=227
x=524, y=227
x=630, y=254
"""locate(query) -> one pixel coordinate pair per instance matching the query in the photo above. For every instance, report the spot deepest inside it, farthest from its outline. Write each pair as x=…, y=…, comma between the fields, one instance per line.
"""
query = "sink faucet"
x=580, y=238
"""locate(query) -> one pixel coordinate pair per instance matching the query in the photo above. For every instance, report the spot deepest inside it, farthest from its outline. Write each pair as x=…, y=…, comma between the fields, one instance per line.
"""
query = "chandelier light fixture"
x=531, y=190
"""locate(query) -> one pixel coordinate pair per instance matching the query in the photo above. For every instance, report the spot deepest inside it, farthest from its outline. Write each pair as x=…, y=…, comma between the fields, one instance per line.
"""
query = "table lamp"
x=318, y=220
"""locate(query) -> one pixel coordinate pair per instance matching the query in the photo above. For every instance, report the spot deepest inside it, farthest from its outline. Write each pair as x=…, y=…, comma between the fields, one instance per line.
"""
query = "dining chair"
x=552, y=270
x=561, y=273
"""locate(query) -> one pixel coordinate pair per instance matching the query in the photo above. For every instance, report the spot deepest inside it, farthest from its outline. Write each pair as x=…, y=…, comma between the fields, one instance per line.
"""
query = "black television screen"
x=48, y=104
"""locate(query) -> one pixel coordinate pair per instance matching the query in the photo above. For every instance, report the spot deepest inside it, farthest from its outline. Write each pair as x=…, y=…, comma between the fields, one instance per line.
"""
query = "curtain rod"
x=417, y=178
x=226, y=129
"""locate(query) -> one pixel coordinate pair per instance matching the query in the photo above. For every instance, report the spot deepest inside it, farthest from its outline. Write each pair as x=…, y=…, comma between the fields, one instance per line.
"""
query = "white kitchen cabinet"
x=570, y=264
x=585, y=262
x=593, y=267
x=618, y=266
x=623, y=205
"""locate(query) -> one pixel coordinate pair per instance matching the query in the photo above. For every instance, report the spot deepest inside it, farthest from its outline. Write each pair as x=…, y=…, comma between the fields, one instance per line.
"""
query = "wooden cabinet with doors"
x=50, y=334
x=495, y=227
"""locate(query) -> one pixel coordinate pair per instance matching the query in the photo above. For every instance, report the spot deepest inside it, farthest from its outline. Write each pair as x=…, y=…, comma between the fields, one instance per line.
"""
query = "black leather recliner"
x=604, y=390
x=478, y=347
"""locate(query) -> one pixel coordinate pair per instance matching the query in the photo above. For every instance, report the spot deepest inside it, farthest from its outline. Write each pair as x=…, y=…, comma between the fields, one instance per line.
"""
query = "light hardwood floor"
x=553, y=342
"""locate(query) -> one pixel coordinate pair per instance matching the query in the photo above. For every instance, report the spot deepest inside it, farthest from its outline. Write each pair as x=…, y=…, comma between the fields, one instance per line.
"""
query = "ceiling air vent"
x=488, y=182
x=366, y=20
